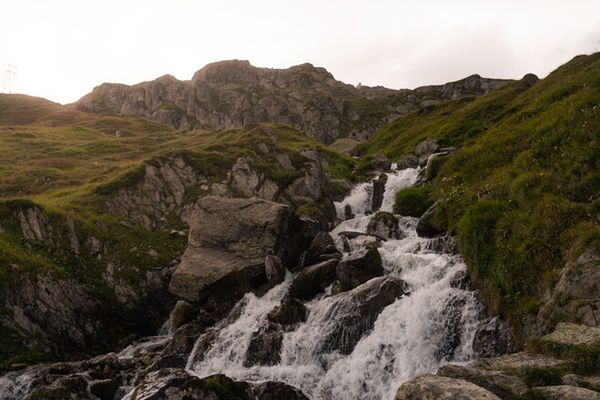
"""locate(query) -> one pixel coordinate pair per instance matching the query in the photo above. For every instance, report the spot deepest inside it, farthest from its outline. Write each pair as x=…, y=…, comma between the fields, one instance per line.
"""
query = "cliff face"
x=232, y=94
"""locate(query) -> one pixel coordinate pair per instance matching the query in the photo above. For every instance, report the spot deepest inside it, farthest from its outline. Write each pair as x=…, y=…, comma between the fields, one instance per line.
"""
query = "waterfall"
x=431, y=325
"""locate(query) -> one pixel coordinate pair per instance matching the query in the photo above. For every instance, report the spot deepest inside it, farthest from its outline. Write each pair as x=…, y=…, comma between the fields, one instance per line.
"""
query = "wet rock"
x=427, y=227
x=232, y=237
x=313, y=280
x=502, y=385
x=274, y=269
x=105, y=389
x=378, y=192
x=589, y=382
x=432, y=387
x=357, y=310
x=381, y=162
x=265, y=346
x=384, y=225
x=289, y=312
x=566, y=392
x=276, y=391
x=444, y=245
x=450, y=327
x=358, y=268
x=348, y=214
x=492, y=338
x=322, y=248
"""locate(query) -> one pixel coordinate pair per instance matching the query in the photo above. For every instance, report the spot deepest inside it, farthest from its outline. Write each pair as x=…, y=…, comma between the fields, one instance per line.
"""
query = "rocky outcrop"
x=231, y=94
x=322, y=248
x=160, y=189
x=431, y=387
x=492, y=338
x=576, y=296
x=230, y=238
x=566, y=392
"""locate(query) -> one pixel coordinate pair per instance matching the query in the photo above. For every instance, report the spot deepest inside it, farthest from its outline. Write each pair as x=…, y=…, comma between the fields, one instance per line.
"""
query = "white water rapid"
x=431, y=325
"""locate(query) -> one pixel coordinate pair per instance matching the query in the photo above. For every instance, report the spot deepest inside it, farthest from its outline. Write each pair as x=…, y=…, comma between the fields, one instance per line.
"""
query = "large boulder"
x=381, y=162
x=231, y=238
x=359, y=267
x=502, y=385
x=356, y=311
x=431, y=387
x=313, y=280
x=384, y=225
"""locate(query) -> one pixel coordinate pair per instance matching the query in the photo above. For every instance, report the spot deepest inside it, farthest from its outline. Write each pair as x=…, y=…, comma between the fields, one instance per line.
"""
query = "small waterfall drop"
x=431, y=325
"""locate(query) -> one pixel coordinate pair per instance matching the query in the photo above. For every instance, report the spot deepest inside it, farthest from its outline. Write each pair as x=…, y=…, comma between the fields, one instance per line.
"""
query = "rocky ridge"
x=232, y=94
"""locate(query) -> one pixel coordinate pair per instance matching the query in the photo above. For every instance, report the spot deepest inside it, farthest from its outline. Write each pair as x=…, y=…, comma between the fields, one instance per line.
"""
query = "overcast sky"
x=63, y=48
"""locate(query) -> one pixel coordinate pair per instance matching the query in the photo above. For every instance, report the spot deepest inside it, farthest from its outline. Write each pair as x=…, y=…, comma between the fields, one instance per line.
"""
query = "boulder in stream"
x=359, y=267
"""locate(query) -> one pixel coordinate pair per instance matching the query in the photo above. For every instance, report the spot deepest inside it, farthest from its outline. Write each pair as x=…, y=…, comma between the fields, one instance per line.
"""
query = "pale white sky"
x=63, y=48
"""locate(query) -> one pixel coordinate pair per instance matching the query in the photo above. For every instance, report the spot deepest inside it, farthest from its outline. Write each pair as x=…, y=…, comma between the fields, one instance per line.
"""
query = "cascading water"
x=431, y=325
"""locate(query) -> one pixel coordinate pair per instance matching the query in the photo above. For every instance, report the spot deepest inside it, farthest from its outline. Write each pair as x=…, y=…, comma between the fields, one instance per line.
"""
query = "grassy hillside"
x=522, y=190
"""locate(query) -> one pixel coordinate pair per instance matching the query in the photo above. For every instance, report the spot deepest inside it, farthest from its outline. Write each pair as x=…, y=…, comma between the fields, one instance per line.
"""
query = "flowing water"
x=433, y=324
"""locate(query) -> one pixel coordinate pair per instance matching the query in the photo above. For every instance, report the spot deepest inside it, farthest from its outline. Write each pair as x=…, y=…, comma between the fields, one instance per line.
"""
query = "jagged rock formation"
x=230, y=94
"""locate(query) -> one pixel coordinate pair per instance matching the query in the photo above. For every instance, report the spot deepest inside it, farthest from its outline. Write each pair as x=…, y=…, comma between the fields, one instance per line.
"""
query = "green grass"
x=413, y=202
x=522, y=190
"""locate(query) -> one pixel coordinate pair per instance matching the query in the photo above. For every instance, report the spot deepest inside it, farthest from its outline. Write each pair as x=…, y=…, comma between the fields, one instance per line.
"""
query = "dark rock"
x=348, y=214
x=378, y=192
x=357, y=310
x=274, y=269
x=183, y=313
x=451, y=328
x=444, y=245
x=289, y=312
x=276, y=391
x=265, y=346
x=384, y=225
x=492, y=338
x=408, y=161
x=427, y=227
x=502, y=385
x=381, y=162
x=426, y=148
x=313, y=280
x=105, y=389
x=321, y=248
x=358, y=268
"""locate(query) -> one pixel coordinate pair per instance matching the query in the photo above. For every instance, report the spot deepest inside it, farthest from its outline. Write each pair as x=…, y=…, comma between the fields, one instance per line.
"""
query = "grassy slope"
x=522, y=191
x=67, y=162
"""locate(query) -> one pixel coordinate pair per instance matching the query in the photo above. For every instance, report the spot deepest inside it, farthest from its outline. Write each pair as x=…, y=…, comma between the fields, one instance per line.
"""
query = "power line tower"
x=9, y=78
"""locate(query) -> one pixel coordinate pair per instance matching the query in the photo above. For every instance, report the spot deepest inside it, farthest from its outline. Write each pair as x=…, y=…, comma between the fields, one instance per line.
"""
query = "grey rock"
x=502, y=385
x=518, y=360
x=384, y=225
x=432, y=387
x=381, y=162
x=492, y=338
x=356, y=311
x=289, y=312
x=348, y=214
x=321, y=248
